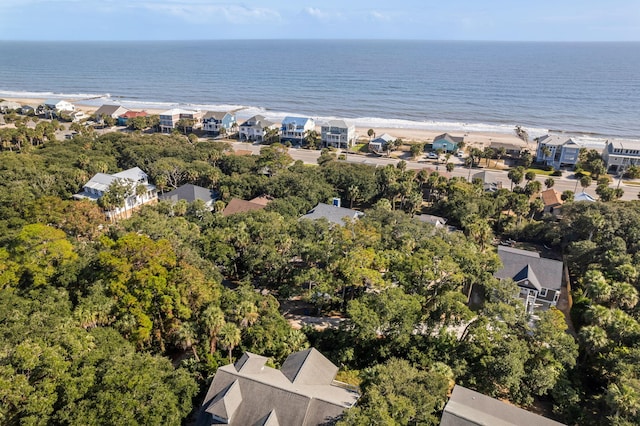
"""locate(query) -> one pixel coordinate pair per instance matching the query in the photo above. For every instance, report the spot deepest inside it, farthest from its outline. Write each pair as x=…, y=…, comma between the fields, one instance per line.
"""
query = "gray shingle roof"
x=309, y=367
x=527, y=265
x=111, y=110
x=333, y=214
x=268, y=397
x=218, y=115
x=190, y=193
x=449, y=138
x=470, y=408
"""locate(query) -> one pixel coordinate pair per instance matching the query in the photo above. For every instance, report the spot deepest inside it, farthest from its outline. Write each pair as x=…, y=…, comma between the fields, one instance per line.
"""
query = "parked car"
x=432, y=155
x=460, y=154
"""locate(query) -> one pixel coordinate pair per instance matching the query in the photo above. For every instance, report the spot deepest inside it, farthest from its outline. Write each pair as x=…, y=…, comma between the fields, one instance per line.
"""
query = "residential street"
x=562, y=183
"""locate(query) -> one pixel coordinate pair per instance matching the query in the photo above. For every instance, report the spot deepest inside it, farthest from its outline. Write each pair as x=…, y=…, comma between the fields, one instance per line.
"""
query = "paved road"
x=562, y=183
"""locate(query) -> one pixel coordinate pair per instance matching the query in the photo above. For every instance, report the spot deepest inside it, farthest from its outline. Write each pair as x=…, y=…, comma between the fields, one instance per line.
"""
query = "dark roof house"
x=539, y=279
x=470, y=408
x=190, y=193
x=303, y=392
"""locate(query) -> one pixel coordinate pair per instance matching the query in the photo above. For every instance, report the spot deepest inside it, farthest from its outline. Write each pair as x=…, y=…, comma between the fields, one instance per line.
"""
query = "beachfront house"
x=560, y=151
x=379, y=144
x=446, y=142
x=77, y=116
x=512, y=149
x=215, y=122
x=28, y=110
x=539, y=279
x=256, y=129
x=302, y=392
x=113, y=111
x=294, y=129
x=620, y=154
x=6, y=106
x=58, y=105
x=172, y=119
x=467, y=407
x=337, y=134
x=133, y=187
x=123, y=119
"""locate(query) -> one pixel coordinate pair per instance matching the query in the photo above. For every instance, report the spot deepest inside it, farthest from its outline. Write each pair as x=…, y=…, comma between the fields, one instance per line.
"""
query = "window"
x=543, y=292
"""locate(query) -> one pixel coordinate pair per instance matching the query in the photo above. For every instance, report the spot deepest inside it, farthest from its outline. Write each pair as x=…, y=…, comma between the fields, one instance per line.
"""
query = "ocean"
x=588, y=89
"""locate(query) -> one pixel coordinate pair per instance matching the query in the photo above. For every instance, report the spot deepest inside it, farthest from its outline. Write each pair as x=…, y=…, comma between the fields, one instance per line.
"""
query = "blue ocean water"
x=581, y=88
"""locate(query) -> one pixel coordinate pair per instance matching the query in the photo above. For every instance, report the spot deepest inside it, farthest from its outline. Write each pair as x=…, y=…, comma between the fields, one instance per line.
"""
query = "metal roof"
x=470, y=408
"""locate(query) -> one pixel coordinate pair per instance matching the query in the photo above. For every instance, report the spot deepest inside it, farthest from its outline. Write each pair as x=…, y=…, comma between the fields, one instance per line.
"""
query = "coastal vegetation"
x=110, y=323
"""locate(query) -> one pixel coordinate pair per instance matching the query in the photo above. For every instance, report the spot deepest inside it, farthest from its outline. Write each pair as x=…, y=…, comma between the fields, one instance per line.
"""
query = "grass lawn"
x=539, y=171
x=361, y=147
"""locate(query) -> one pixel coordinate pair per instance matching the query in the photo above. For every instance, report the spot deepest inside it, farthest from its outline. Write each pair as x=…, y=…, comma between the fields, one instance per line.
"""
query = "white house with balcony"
x=59, y=105
x=338, y=134
x=169, y=119
x=560, y=151
x=217, y=122
x=137, y=191
x=619, y=154
x=294, y=129
x=256, y=129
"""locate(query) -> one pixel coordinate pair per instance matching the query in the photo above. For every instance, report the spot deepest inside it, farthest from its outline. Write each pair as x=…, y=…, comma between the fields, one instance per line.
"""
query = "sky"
x=504, y=20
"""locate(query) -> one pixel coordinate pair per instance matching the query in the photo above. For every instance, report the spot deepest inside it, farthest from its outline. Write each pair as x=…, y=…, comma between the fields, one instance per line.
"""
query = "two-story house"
x=136, y=191
x=619, y=154
x=256, y=129
x=59, y=105
x=560, y=151
x=294, y=129
x=539, y=279
x=170, y=118
x=338, y=134
x=215, y=122
x=303, y=392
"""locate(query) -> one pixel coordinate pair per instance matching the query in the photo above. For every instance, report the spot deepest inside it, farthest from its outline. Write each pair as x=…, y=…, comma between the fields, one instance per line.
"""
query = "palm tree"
x=247, y=314
x=371, y=133
x=229, y=337
x=353, y=192
x=585, y=182
x=549, y=182
x=185, y=336
x=213, y=321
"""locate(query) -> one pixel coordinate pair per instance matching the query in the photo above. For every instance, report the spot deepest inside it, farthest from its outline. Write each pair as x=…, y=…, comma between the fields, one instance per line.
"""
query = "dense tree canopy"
x=126, y=322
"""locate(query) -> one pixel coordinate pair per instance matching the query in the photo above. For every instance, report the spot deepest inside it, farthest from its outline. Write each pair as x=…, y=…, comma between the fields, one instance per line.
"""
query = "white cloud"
x=322, y=15
x=202, y=10
x=379, y=16
x=316, y=13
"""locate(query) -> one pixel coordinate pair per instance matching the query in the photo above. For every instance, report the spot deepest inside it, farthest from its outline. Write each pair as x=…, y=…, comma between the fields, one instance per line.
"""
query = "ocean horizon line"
x=373, y=40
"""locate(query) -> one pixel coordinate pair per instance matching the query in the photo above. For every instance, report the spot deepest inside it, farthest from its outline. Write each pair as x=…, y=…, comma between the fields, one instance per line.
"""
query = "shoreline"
x=408, y=131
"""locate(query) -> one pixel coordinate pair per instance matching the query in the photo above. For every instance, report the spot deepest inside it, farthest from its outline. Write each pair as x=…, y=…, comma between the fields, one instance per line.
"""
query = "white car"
x=460, y=154
x=432, y=155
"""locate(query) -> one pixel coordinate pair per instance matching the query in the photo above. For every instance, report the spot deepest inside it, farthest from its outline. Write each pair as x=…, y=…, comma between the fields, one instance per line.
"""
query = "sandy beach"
x=409, y=135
